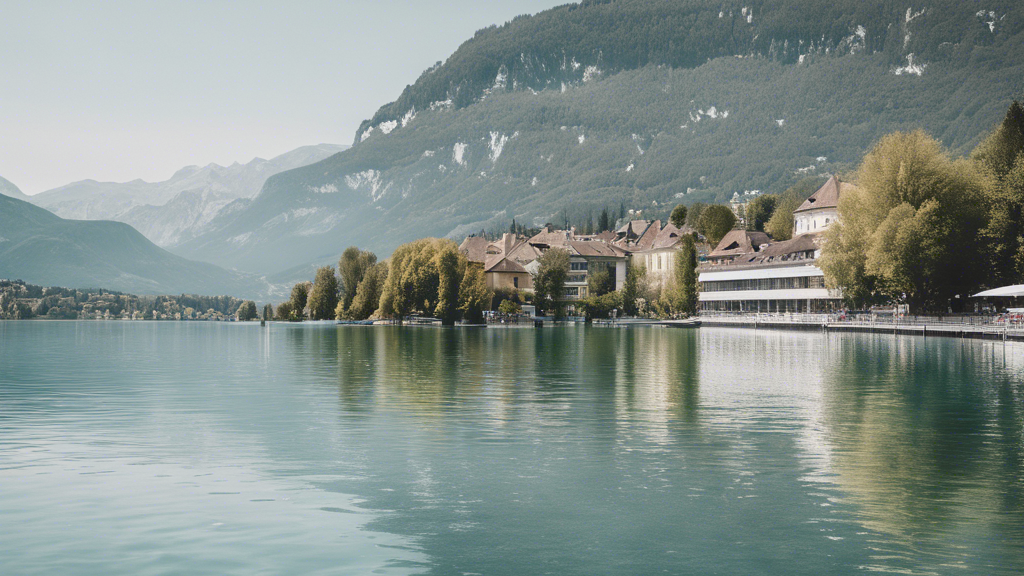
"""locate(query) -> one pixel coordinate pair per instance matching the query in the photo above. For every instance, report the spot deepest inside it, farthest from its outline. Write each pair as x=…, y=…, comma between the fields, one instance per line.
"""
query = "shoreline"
x=947, y=330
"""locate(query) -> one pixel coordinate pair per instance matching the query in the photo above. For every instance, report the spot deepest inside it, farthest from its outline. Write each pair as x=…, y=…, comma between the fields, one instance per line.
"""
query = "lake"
x=209, y=448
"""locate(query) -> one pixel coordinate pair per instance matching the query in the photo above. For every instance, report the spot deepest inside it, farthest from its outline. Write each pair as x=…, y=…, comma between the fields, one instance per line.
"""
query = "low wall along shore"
x=987, y=327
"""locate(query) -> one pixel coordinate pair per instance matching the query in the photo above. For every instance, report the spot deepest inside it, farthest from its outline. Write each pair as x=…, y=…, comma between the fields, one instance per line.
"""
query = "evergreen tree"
x=603, y=222
x=686, y=276
x=634, y=289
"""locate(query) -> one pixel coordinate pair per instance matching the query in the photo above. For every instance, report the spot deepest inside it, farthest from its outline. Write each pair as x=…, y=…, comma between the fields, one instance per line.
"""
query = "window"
x=515, y=282
x=578, y=265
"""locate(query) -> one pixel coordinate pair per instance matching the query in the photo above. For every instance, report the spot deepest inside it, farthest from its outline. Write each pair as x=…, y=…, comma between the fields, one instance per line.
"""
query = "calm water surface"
x=200, y=448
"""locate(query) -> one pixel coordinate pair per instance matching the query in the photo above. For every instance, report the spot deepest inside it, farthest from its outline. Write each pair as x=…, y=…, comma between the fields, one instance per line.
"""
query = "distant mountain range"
x=179, y=208
x=42, y=248
x=642, y=103
x=8, y=189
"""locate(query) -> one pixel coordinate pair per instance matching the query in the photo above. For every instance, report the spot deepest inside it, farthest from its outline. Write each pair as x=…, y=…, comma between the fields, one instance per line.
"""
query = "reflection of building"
x=746, y=273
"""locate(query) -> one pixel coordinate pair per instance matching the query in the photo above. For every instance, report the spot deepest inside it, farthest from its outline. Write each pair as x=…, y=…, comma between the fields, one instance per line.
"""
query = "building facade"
x=745, y=275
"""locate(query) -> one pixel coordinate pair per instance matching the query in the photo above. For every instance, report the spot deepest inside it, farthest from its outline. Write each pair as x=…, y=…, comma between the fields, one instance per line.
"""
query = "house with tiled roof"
x=745, y=275
x=821, y=209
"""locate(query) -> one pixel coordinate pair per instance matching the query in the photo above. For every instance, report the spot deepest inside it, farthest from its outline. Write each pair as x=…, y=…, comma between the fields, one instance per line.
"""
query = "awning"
x=1015, y=290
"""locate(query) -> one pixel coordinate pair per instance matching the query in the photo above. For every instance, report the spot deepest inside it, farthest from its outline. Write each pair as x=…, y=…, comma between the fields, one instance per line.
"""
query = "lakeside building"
x=746, y=272
x=512, y=261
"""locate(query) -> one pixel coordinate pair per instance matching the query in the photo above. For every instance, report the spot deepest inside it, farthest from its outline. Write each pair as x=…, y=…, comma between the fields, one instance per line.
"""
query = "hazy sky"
x=123, y=90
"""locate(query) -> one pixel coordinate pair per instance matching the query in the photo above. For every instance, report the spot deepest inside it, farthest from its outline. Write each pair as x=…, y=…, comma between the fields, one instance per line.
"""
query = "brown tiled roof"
x=647, y=236
x=825, y=197
x=801, y=243
x=670, y=235
x=475, y=248
x=503, y=264
x=596, y=249
x=606, y=236
x=524, y=253
x=550, y=237
x=739, y=242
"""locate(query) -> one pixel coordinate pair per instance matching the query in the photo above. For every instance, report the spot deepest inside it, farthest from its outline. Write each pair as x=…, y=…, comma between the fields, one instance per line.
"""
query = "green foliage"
x=247, y=311
x=635, y=290
x=715, y=222
x=693, y=214
x=368, y=293
x=685, y=279
x=503, y=294
x=1000, y=157
x=780, y=225
x=600, y=280
x=268, y=312
x=413, y=278
x=285, y=311
x=910, y=232
x=323, y=297
x=474, y=296
x=509, y=307
x=549, y=283
x=19, y=300
x=352, y=266
x=678, y=217
x=600, y=307
x=760, y=210
x=662, y=65
x=448, y=285
x=300, y=296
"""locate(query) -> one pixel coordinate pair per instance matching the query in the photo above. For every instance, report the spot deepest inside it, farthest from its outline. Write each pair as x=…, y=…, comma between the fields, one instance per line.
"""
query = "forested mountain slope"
x=39, y=247
x=645, y=103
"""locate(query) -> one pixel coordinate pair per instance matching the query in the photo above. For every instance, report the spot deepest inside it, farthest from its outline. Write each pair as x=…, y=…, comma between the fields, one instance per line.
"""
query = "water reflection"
x=576, y=450
x=906, y=443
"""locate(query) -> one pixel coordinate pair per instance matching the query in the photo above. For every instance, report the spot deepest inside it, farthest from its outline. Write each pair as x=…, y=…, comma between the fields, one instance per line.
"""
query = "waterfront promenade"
x=959, y=326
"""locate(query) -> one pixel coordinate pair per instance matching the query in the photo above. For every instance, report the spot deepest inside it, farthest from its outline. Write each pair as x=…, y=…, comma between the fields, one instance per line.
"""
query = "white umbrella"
x=1015, y=290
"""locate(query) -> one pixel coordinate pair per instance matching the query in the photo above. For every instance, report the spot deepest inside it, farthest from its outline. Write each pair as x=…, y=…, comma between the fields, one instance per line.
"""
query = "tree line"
x=927, y=229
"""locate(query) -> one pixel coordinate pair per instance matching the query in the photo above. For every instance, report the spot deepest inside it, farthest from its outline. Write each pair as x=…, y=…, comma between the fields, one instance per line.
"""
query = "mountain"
x=176, y=209
x=639, y=104
x=9, y=189
x=39, y=247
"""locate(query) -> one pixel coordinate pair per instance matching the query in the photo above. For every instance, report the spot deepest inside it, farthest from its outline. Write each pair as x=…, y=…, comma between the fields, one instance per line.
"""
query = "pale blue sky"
x=124, y=90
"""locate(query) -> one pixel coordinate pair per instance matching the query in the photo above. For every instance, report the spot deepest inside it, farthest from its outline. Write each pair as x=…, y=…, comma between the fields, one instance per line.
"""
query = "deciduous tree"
x=323, y=298
x=352, y=266
x=549, y=284
x=715, y=222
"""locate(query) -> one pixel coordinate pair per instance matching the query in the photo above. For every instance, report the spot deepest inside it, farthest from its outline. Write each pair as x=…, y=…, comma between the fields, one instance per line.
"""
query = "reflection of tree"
x=926, y=434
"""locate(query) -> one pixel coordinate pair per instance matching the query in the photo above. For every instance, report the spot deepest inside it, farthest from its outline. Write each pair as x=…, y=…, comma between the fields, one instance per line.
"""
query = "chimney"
x=507, y=241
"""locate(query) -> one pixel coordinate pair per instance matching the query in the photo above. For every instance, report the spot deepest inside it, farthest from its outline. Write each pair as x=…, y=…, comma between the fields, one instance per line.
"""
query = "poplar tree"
x=323, y=298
